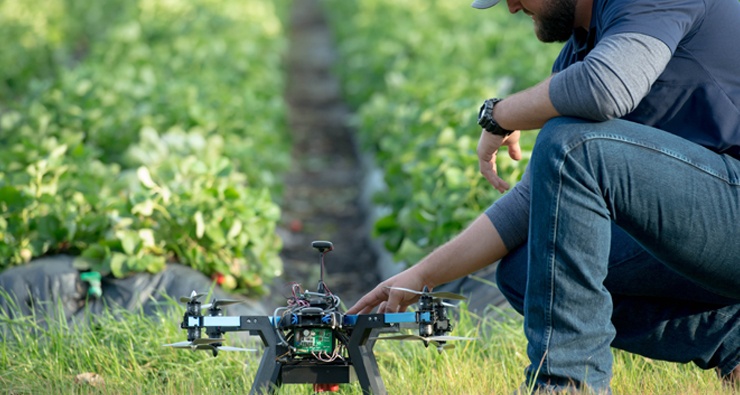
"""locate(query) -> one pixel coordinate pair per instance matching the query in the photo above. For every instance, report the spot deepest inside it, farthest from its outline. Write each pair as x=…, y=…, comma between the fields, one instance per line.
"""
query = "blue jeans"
x=634, y=241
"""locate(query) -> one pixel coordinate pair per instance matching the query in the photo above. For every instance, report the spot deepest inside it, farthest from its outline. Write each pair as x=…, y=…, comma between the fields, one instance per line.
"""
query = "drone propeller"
x=236, y=349
x=220, y=302
x=209, y=344
x=192, y=298
x=428, y=339
x=439, y=341
x=195, y=344
x=206, y=347
x=437, y=295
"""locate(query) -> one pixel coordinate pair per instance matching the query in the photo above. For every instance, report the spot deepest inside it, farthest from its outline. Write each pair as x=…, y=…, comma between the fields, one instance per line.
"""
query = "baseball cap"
x=482, y=4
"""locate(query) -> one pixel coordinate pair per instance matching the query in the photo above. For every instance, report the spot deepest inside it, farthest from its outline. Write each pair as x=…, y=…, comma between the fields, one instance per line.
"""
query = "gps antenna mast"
x=323, y=247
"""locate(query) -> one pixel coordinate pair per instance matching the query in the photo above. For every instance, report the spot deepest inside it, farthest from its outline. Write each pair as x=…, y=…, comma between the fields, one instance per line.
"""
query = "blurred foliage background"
x=137, y=133
x=416, y=73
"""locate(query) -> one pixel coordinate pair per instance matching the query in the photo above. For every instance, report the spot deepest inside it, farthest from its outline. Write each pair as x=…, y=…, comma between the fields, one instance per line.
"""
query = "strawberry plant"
x=416, y=73
x=161, y=143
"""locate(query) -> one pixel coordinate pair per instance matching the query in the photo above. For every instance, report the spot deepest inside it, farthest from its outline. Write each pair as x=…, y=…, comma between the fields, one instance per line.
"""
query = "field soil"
x=323, y=197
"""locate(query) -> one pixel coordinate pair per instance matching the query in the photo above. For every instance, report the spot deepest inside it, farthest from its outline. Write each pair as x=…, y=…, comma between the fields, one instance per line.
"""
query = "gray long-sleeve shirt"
x=608, y=84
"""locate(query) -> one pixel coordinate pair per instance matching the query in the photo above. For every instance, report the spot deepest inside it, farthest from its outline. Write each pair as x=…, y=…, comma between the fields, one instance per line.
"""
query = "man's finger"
x=358, y=306
x=488, y=146
x=515, y=151
x=486, y=169
x=364, y=310
x=394, y=301
x=489, y=172
x=367, y=302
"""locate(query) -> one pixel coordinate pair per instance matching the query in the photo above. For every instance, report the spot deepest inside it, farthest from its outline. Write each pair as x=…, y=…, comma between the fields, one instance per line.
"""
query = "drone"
x=311, y=341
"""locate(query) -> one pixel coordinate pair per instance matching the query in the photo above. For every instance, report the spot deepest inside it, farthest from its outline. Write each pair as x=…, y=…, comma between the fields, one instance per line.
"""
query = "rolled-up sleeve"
x=609, y=84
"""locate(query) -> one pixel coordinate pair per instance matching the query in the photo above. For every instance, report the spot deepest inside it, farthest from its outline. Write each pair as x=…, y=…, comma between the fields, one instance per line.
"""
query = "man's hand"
x=488, y=147
x=390, y=300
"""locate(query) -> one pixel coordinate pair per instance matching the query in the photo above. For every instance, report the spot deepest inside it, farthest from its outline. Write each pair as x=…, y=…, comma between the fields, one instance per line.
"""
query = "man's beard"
x=556, y=25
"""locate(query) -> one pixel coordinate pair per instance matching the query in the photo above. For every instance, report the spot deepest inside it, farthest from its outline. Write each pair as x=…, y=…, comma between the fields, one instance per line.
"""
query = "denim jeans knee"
x=511, y=277
x=654, y=185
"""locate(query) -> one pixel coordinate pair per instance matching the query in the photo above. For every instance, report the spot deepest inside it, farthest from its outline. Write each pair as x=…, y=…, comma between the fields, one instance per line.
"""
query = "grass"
x=125, y=351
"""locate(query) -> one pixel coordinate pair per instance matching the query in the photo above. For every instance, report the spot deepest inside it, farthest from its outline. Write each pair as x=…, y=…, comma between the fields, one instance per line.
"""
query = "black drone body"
x=311, y=340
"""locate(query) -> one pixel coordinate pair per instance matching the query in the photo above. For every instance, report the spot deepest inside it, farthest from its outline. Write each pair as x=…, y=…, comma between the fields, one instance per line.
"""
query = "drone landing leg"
x=360, y=350
x=267, y=379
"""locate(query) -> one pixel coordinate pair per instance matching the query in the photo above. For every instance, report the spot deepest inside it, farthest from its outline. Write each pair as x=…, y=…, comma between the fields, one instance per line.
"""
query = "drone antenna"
x=323, y=247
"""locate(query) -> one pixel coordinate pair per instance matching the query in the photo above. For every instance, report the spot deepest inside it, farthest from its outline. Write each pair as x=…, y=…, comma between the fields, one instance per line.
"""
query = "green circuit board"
x=313, y=340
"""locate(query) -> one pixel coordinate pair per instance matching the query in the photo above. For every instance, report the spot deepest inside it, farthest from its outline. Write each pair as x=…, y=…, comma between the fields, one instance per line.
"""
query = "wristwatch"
x=486, y=121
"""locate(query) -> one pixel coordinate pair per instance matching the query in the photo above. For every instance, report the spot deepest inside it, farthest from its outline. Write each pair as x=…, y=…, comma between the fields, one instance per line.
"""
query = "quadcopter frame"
x=314, y=324
x=274, y=371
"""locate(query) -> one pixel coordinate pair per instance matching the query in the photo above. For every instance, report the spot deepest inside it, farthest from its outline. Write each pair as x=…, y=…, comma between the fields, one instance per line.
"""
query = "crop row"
x=136, y=133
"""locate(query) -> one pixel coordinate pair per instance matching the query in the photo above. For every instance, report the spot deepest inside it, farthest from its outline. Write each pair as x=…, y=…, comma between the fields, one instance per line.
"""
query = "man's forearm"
x=526, y=110
x=476, y=247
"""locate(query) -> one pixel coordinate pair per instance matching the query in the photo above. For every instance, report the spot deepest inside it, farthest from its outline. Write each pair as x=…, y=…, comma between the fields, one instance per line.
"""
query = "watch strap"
x=486, y=121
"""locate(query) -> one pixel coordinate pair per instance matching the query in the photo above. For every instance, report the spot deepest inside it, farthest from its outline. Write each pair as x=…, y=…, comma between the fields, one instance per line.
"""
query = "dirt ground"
x=323, y=195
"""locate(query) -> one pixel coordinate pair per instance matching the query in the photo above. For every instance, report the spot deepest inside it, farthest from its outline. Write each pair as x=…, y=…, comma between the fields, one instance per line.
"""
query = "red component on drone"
x=325, y=387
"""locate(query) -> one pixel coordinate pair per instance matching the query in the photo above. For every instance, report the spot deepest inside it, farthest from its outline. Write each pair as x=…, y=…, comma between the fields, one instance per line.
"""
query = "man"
x=625, y=229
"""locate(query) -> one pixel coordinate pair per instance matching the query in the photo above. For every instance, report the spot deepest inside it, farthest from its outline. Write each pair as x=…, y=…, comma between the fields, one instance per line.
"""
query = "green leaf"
x=200, y=226
x=147, y=238
x=48, y=227
x=12, y=197
x=235, y=229
x=386, y=223
x=455, y=178
x=145, y=208
x=231, y=193
x=154, y=264
x=215, y=233
x=95, y=252
x=58, y=152
x=138, y=264
x=410, y=251
x=81, y=263
x=118, y=264
x=129, y=241
x=145, y=177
